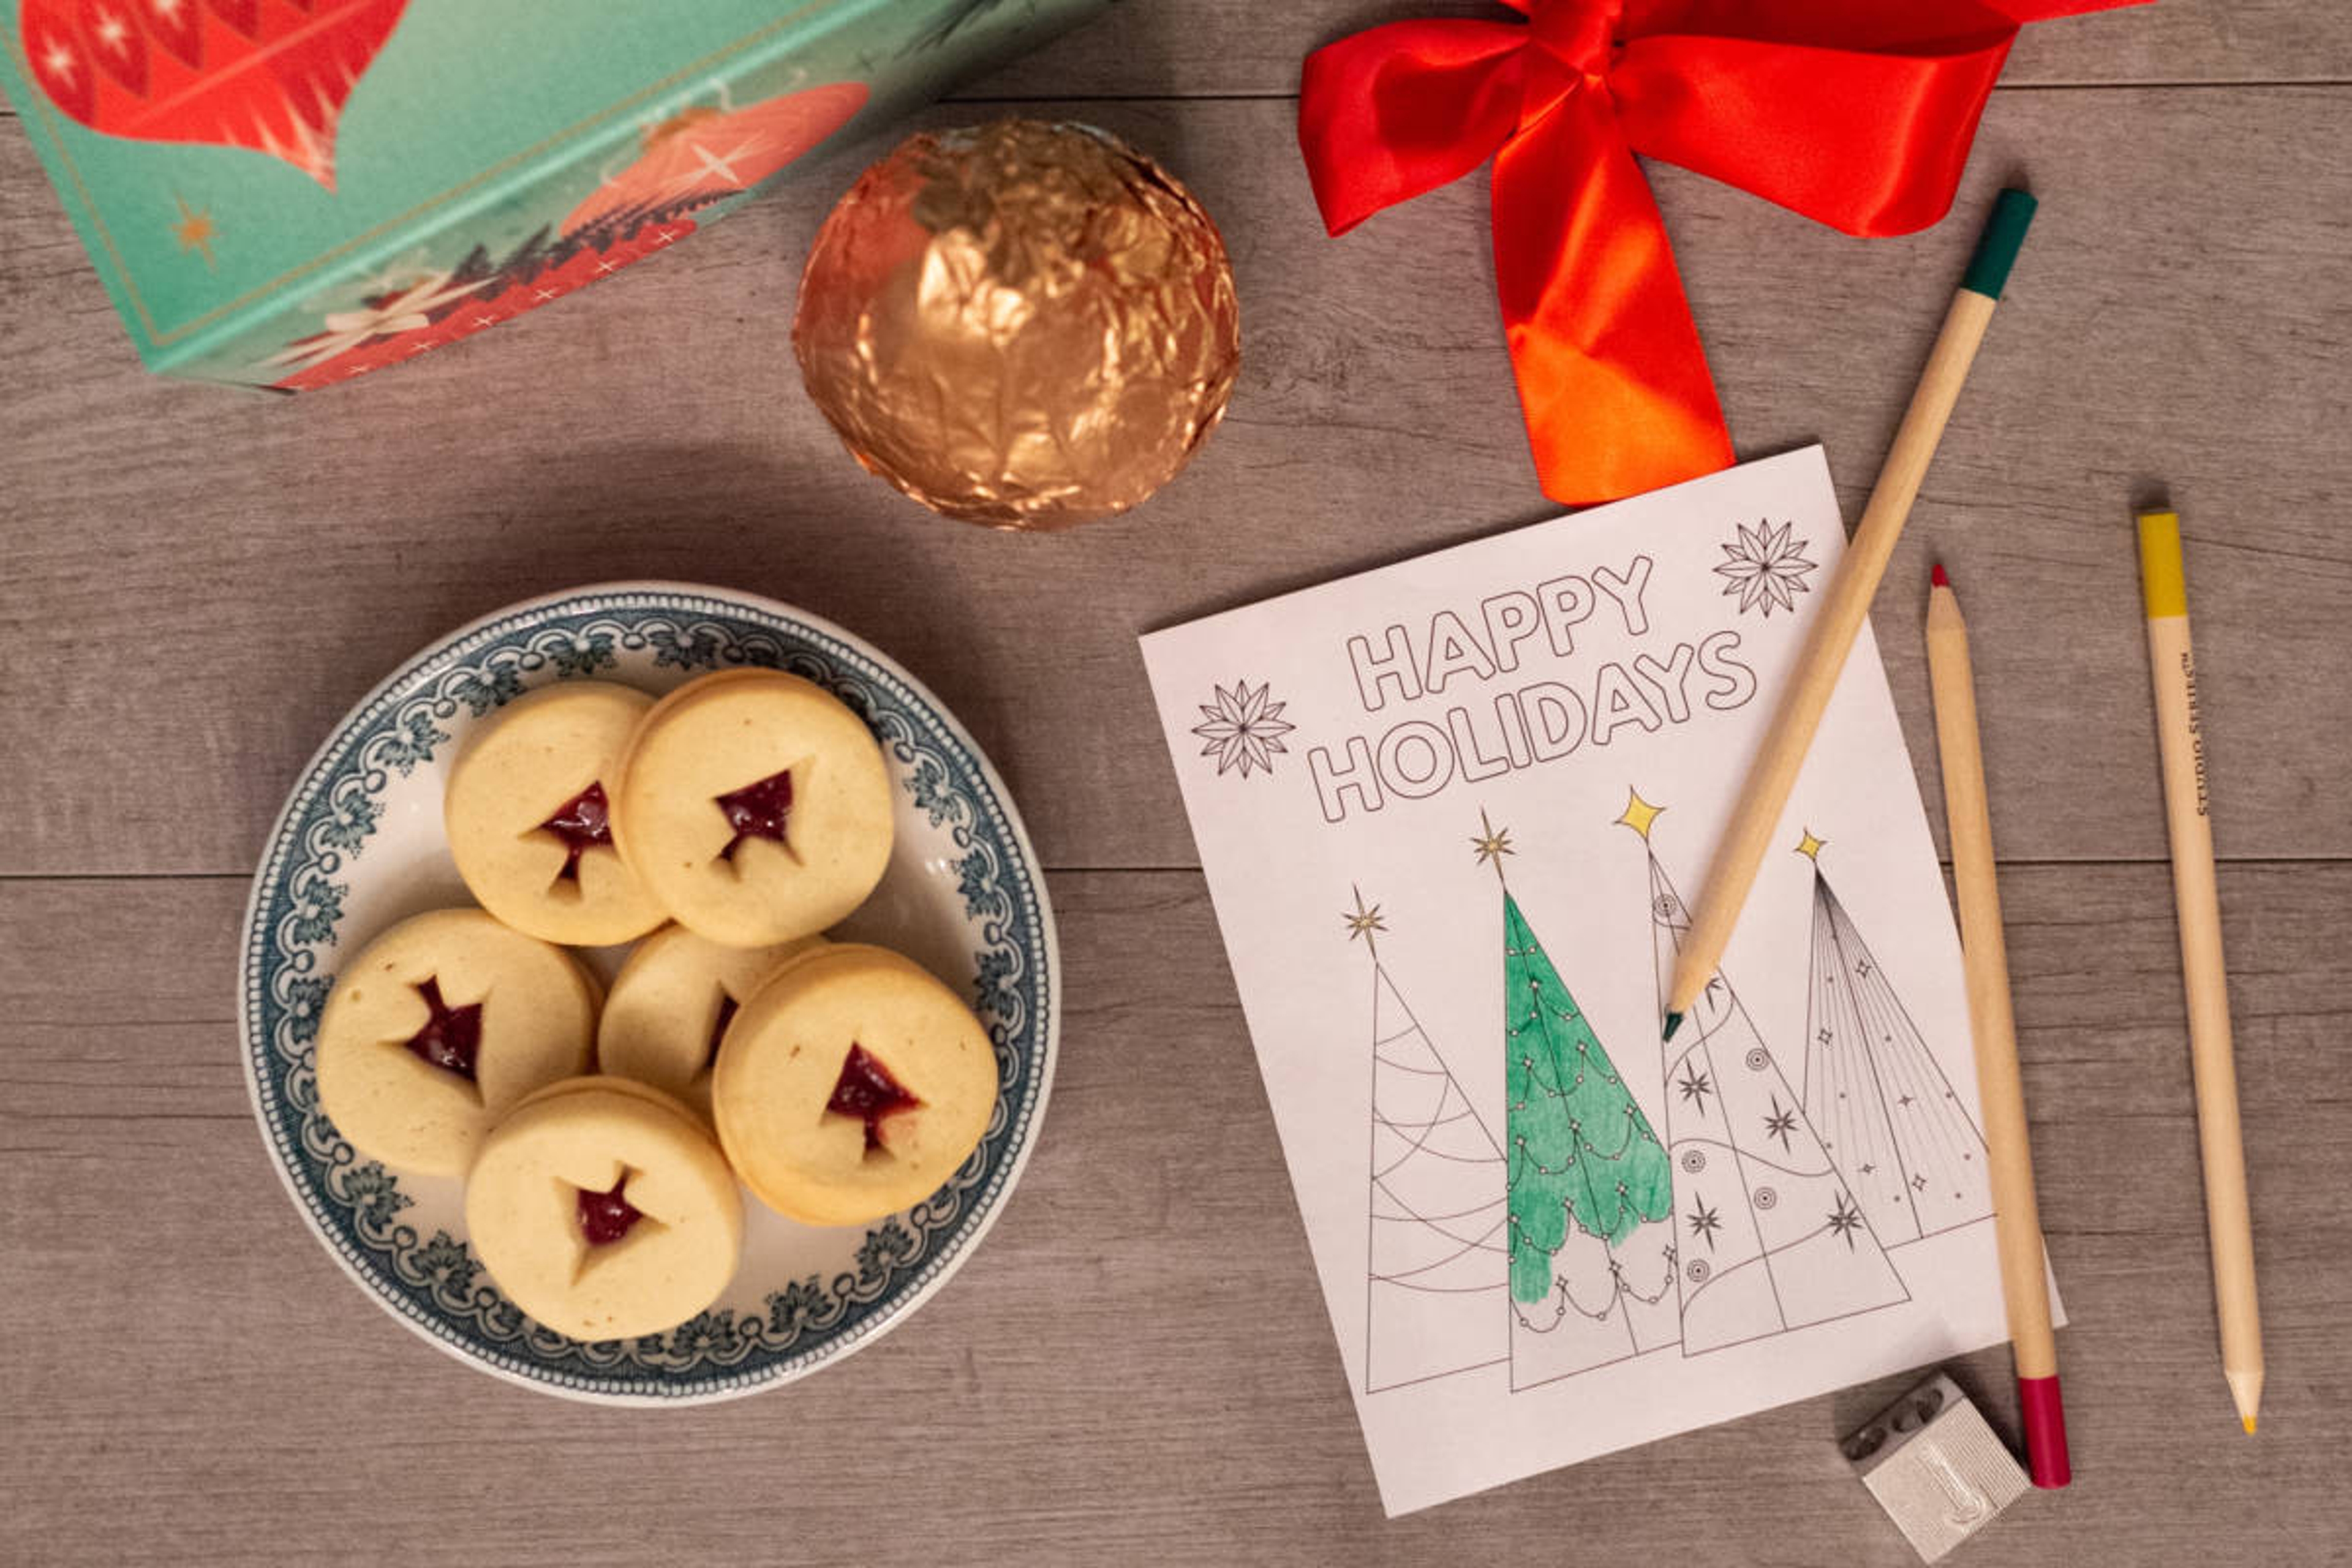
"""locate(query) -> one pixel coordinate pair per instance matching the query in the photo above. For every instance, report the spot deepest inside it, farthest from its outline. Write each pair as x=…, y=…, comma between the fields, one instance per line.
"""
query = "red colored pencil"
x=2017, y=1221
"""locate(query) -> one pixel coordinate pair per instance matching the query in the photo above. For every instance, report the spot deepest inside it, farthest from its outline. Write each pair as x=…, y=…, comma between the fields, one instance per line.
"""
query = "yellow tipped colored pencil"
x=2017, y=1218
x=1846, y=605
x=2228, y=1221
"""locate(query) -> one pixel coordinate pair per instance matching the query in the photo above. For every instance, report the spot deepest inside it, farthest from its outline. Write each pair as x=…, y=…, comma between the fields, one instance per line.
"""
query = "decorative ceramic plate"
x=359, y=846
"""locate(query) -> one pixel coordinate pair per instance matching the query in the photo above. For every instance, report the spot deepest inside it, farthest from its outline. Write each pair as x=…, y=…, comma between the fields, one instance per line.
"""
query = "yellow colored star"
x=1639, y=813
x=1492, y=844
x=1363, y=922
x=1811, y=847
x=195, y=230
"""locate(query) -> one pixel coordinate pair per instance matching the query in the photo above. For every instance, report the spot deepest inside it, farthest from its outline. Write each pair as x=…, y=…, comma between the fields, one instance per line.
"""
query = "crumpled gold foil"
x=1023, y=324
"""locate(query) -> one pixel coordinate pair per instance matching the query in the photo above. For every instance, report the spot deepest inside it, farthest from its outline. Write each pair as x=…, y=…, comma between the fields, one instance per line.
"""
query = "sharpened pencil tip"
x=2249, y=1424
x=1674, y=1022
x=1939, y=577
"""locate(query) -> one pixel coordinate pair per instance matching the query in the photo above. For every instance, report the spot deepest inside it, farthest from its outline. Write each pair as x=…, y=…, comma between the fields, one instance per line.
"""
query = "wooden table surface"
x=1137, y=1367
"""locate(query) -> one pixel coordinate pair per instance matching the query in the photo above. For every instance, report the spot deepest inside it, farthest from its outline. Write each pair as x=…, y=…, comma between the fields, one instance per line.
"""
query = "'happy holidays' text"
x=1530, y=722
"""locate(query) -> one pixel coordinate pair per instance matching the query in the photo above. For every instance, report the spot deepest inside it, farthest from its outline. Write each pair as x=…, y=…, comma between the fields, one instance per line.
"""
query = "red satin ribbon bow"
x=1856, y=113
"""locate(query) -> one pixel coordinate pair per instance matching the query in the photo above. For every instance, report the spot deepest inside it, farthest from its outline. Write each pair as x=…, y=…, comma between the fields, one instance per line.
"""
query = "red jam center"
x=866, y=1090
x=606, y=1218
x=583, y=822
x=452, y=1037
x=758, y=811
x=719, y=1026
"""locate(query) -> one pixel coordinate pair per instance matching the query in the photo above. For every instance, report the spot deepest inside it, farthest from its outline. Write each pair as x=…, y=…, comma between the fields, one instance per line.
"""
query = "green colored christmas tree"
x=1580, y=1151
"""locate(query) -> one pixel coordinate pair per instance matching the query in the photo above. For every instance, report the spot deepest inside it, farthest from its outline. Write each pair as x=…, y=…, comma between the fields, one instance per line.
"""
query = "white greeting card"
x=1450, y=812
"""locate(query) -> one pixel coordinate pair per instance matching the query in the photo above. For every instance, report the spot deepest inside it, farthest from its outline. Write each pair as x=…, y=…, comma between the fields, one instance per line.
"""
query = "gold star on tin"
x=1809, y=846
x=1639, y=813
x=195, y=230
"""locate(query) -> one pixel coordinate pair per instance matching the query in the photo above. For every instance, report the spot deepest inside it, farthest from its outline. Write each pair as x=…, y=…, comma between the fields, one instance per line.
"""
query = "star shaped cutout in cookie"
x=452, y=1037
x=606, y=1218
x=760, y=809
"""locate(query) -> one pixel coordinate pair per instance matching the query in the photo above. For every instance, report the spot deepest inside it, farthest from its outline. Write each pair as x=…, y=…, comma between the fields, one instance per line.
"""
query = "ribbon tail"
x=1611, y=374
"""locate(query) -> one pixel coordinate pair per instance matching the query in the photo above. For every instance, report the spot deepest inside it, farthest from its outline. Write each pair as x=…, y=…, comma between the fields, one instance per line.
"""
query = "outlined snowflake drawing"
x=1767, y=567
x=1244, y=728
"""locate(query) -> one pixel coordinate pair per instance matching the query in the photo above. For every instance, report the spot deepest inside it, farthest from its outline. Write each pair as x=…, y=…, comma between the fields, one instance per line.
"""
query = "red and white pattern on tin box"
x=687, y=161
x=707, y=153
x=436, y=308
x=268, y=74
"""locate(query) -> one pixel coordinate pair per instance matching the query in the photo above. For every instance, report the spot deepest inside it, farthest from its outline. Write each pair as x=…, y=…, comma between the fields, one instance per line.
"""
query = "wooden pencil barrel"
x=1845, y=606
x=2213, y=1065
x=2017, y=1219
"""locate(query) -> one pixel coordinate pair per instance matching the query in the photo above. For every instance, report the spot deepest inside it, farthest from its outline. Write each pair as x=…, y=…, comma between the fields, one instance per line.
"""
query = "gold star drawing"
x=1810, y=847
x=1492, y=844
x=1363, y=922
x=195, y=230
x=1639, y=813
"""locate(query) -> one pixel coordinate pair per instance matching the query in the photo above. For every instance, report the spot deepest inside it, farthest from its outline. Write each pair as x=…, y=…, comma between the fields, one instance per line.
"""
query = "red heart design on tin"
x=269, y=75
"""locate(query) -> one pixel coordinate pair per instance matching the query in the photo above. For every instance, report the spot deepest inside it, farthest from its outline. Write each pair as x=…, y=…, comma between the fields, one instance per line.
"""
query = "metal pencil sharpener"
x=1935, y=1467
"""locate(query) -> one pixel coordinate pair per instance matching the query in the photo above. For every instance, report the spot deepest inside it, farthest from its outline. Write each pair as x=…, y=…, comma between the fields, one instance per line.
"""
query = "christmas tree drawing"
x=1887, y=1114
x=1770, y=1237
x=1591, y=1193
x=1436, y=1277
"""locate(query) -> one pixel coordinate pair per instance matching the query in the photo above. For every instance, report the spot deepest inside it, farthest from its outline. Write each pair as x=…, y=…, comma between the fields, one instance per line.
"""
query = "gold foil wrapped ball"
x=1027, y=325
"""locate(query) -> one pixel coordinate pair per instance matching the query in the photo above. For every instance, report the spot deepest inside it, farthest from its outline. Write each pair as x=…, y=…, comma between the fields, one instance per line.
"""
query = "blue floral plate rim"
x=431, y=1286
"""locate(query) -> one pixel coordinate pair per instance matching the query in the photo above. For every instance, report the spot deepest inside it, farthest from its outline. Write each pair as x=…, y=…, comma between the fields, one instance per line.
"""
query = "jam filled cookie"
x=672, y=1002
x=852, y=1085
x=527, y=813
x=439, y=1026
x=755, y=807
x=604, y=1211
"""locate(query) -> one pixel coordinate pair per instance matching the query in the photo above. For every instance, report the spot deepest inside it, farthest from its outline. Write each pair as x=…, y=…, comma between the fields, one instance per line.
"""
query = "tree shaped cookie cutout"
x=852, y=1085
x=754, y=806
x=603, y=1209
x=441, y=1025
x=529, y=815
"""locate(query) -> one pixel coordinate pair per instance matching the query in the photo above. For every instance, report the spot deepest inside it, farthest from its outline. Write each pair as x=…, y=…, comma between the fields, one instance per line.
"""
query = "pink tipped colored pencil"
x=2017, y=1220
